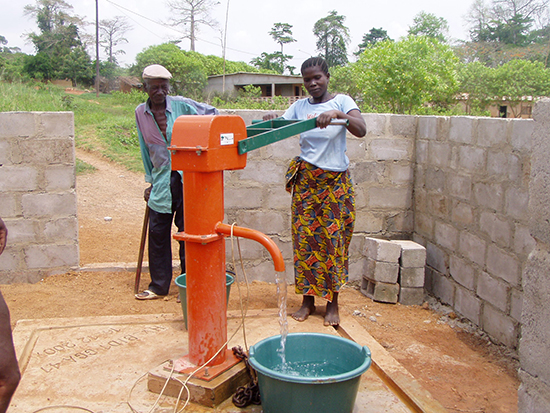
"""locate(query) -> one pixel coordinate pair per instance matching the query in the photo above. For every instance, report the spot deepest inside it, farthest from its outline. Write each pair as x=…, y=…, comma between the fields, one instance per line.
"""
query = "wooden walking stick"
x=141, y=249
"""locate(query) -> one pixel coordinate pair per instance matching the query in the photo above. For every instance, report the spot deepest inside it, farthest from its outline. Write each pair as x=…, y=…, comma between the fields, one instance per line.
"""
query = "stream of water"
x=280, y=281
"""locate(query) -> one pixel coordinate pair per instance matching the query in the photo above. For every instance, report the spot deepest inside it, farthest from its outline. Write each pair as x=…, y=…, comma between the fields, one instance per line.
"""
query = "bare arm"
x=3, y=235
x=356, y=125
x=9, y=368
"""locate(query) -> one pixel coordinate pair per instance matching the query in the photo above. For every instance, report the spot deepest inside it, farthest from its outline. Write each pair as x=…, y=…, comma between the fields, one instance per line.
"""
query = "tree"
x=112, y=33
x=77, y=66
x=11, y=61
x=513, y=81
x=58, y=39
x=188, y=72
x=478, y=18
x=39, y=66
x=519, y=79
x=476, y=82
x=428, y=24
x=191, y=14
x=332, y=39
x=506, y=21
x=344, y=80
x=6, y=49
x=494, y=54
x=271, y=61
x=405, y=76
x=58, y=29
x=506, y=10
x=371, y=38
x=282, y=34
x=514, y=31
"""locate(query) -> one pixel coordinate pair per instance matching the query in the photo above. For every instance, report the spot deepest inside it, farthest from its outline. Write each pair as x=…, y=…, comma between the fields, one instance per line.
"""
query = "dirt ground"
x=456, y=363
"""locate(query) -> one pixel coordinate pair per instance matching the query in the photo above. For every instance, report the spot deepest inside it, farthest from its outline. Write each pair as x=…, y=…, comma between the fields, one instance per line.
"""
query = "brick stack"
x=394, y=271
x=412, y=263
x=382, y=270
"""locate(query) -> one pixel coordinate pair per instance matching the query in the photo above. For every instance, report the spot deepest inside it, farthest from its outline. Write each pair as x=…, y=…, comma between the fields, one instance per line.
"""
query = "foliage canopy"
x=332, y=38
x=404, y=76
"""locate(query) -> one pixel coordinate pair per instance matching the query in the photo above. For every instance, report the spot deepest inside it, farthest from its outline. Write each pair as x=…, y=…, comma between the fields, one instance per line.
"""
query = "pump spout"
x=252, y=234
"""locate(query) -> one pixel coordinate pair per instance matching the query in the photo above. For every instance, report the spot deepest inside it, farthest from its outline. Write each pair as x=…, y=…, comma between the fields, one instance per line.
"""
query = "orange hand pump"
x=203, y=147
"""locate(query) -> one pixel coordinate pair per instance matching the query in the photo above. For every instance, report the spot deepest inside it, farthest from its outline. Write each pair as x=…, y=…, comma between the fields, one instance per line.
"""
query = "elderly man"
x=155, y=119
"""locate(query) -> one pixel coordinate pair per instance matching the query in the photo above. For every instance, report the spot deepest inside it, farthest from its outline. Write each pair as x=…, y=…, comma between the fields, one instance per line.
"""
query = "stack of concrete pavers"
x=412, y=269
x=382, y=270
x=394, y=271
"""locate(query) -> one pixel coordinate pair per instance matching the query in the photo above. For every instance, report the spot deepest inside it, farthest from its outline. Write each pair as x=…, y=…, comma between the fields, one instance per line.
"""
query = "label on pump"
x=227, y=139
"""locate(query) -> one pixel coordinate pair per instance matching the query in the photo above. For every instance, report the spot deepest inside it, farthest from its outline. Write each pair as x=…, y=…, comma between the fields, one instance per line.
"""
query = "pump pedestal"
x=207, y=373
x=206, y=393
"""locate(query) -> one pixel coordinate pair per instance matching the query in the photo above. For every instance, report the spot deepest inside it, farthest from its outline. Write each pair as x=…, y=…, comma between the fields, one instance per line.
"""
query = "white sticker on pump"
x=227, y=139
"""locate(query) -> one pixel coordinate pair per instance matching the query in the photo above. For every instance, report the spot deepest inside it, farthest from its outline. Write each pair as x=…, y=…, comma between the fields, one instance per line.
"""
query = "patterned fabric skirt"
x=323, y=214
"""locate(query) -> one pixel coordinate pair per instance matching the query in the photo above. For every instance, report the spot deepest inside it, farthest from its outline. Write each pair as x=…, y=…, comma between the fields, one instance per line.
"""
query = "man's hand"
x=3, y=235
x=269, y=116
x=147, y=193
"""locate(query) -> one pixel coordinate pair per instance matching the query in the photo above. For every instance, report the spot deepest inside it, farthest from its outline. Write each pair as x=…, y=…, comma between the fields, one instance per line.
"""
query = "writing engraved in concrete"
x=90, y=346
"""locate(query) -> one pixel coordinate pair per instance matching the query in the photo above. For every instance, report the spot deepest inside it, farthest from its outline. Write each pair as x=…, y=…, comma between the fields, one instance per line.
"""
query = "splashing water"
x=283, y=323
x=310, y=369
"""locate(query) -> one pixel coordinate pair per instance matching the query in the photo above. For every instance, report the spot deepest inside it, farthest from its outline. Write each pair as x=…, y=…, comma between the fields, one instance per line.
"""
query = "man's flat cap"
x=156, y=72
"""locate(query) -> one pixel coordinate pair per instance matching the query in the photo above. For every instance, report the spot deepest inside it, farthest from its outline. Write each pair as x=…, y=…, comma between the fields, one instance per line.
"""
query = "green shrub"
x=135, y=97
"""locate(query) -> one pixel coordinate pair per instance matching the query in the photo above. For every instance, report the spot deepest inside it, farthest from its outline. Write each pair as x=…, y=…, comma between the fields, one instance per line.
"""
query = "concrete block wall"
x=471, y=195
x=37, y=195
x=382, y=171
x=456, y=185
x=534, y=352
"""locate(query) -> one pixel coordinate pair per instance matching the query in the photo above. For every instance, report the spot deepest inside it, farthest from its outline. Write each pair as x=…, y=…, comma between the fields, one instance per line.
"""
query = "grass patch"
x=16, y=97
x=104, y=124
x=83, y=168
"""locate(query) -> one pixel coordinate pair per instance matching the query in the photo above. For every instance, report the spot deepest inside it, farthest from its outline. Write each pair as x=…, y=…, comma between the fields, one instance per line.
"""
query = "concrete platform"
x=101, y=364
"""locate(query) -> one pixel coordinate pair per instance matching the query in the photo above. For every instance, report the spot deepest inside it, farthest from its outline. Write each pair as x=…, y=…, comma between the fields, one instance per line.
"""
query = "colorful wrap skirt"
x=323, y=215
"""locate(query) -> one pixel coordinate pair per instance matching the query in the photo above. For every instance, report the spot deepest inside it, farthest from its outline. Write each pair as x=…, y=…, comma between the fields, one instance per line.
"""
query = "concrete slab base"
x=206, y=393
x=101, y=364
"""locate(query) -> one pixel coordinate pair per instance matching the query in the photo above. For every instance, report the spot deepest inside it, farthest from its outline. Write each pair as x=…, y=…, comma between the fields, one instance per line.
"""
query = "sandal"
x=147, y=295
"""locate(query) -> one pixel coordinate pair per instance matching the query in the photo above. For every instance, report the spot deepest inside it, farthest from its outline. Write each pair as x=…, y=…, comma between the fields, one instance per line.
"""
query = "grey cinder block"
x=411, y=276
x=412, y=254
x=387, y=272
x=379, y=291
x=411, y=296
x=382, y=250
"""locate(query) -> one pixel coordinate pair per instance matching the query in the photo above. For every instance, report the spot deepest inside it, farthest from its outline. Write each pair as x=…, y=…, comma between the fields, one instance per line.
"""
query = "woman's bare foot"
x=332, y=317
x=307, y=308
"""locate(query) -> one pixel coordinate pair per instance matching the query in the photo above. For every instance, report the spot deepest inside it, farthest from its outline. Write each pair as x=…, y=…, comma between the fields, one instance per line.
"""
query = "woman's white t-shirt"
x=324, y=148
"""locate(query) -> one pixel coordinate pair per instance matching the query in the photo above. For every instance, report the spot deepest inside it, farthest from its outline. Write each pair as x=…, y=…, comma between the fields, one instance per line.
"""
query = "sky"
x=248, y=24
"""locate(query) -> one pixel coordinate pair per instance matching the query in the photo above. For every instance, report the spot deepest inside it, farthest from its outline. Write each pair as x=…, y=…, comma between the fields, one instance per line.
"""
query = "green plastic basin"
x=181, y=283
x=322, y=373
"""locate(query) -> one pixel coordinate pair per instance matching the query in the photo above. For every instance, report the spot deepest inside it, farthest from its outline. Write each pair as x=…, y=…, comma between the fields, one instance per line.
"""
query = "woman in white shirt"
x=323, y=205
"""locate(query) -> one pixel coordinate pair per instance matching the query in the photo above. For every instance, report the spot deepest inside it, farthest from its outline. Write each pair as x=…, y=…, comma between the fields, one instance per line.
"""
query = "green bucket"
x=180, y=282
x=321, y=374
